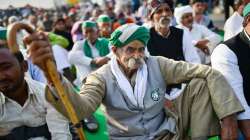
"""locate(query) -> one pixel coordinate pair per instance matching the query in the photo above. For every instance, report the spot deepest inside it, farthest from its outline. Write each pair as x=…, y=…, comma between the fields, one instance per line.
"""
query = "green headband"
x=246, y=10
x=128, y=33
x=103, y=18
x=88, y=24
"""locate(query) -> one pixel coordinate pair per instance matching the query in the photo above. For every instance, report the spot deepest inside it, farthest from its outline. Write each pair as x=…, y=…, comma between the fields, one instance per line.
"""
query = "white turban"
x=180, y=11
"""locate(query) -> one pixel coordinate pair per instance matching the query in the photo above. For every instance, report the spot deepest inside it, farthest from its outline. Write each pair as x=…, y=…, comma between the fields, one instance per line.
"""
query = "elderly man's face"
x=162, y=16
x=187, y=20
x=90, y=33
x=131, y=56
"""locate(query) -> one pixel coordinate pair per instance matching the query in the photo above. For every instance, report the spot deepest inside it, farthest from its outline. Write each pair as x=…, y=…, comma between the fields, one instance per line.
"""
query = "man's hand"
x=39, y=50
x=244, y=126
x=202, y=44
x=229, y=128
x=101, y=61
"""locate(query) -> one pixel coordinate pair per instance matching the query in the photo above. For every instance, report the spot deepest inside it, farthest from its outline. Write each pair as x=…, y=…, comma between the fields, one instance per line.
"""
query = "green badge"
x=155, y=94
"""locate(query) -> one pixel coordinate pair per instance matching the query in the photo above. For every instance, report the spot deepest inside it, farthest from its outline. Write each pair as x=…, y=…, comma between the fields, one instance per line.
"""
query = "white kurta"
x=225, y=60
x=200, y=32
x=233, y=25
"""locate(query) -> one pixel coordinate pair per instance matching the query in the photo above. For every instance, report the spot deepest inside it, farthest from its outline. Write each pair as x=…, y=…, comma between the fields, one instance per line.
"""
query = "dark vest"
x=170, y=47
x=25, y=133
x=240, y=45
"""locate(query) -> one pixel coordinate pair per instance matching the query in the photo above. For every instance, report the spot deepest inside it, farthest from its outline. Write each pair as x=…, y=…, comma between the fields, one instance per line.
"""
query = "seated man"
x=231, y=58
x=90, y=53
x=202, y=38
x=132, y=87
x=24, y=112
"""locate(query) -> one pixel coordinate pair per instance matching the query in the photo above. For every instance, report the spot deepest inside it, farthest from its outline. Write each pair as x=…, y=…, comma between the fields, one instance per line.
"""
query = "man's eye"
x=130, y=50
x=141, y=49
x=5, y=66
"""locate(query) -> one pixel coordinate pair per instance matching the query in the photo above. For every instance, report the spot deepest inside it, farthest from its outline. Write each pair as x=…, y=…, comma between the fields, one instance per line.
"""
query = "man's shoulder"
x=103, y=71
x=173, y=28
x=80, y=42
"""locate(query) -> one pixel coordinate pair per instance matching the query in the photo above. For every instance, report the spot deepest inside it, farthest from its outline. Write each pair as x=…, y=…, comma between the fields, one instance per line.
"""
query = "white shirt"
x=233, y=25
x=35, y=112
x=225, y=60
x=200, y=32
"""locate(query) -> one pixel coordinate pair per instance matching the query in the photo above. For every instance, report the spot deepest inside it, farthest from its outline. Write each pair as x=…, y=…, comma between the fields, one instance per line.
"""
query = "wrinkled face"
x=105, y=28
x=11, y=72
x=199, y=7
x=131, y=56
x=90, y=33
x=162, y=16
x=187, y=20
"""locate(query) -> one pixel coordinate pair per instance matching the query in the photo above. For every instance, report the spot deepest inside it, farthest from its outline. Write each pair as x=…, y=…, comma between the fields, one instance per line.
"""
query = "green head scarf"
x=103, y=18
x=246, y=10
x=3, y=33
x=128, y=33
x=88, y=24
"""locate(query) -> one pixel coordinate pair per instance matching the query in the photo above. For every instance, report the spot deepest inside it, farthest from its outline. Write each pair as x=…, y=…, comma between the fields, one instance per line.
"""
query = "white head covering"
x=180, y=11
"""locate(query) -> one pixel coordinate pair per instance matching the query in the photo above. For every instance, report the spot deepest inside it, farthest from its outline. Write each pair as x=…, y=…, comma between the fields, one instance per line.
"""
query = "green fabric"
x=3, y=33
x=141, y=34
x=103, y=18
x=246, y=10
x=101, y=44
x=59, y=40
x=88, y=24
x=102, y=133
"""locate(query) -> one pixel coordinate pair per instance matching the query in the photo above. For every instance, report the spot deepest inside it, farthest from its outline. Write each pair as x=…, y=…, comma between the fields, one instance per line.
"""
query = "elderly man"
x=24, y=112
x=90, y=53
x=105, y=26
x=202, y=38
x=166, y=40
x=231, y=58
x=132, y=86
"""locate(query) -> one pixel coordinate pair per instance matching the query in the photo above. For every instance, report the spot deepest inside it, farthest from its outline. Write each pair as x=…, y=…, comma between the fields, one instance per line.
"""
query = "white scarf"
x=136, y=96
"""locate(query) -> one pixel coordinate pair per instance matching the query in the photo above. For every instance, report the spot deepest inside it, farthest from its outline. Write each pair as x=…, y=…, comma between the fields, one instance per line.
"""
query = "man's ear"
x=24, y=65
x=114, y=50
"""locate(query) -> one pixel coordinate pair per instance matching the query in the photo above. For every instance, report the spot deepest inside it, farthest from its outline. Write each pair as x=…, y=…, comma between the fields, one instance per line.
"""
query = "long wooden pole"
x=52, y=72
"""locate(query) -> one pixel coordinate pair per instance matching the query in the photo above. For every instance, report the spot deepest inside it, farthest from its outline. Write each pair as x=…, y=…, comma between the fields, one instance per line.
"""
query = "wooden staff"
x=52, y=73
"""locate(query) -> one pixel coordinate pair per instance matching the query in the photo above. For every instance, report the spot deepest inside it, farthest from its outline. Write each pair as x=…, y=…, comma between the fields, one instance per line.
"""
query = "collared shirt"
x=35, y=112
x=200, y=32
x=225, y=61
x=233, y=26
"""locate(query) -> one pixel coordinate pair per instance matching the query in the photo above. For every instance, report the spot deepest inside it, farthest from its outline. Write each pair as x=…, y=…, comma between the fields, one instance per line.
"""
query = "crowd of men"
x=161, y=70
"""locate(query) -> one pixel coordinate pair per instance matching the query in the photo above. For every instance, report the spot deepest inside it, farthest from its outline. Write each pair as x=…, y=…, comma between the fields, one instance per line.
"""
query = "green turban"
x=88, y=24
x=246, y=10
x=128, y=33
x=3, y=33
x=103, y=18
